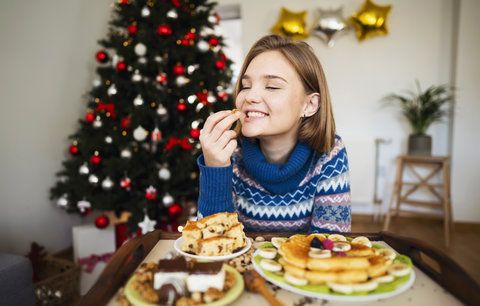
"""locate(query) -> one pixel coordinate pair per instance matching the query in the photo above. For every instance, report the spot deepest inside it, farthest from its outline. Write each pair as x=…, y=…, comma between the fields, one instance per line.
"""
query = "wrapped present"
x=92, y=248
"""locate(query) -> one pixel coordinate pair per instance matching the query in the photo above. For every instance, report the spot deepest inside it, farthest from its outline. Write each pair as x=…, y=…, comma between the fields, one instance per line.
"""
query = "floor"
x=465, y=239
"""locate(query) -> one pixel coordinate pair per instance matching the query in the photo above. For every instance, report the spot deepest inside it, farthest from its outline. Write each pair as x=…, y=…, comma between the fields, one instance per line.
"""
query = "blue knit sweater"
x=310, y=192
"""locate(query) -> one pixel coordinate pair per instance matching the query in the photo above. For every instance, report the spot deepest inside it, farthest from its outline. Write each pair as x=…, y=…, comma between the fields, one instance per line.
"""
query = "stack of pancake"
x=345, y=266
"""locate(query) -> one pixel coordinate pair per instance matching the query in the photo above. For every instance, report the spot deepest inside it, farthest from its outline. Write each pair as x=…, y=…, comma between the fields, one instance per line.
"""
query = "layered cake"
x=218, y=234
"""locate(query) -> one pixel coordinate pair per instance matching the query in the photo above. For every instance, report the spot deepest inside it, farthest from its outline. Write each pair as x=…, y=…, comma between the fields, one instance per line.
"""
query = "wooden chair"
x=403, y=190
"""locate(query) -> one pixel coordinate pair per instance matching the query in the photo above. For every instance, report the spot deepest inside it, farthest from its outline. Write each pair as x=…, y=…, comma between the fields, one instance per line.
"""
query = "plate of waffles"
x=216, y=237
x=334, y=267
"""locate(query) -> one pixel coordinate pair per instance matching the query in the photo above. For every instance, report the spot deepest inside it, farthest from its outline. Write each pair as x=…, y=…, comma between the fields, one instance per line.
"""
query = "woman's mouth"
x=255, y=114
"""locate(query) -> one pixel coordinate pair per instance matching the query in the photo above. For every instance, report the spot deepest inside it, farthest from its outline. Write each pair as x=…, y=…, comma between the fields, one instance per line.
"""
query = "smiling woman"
x=283, y=168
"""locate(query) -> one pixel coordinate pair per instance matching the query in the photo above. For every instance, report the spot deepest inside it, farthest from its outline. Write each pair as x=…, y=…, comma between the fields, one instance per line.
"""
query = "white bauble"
x=138, y=100
x=126, y=153
x=108, y=139
x=161, y=110
x=167, y=200
x=107, y=183
x=136, y=77
x=62, y=201
x=96, y=82
x=172, y=14
x=84, y=169
x=93, y=179
x=97, y=123
x=142, y=60
x=140, y=49
x=181, y=80
x=139, y=134
x=145, y=12
x=83, y=205
x=203, y=46
x=164, y=174
x=112, y=90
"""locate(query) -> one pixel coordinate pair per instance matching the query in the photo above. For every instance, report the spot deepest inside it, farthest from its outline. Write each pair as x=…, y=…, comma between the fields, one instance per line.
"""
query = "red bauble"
x=176, y=3
x=123, y=2
x=101, y=56
x=89, y=117
x=223, y=95
x=125, y=122
x=179, y=69
x=213, y=41
x=162, y=78
x=126, y=183
x=181, y=107
x=185, y=42
x=190, y=36
x=222, y=56
x=151, y=193
x=164, y=30
x=175, y=211
x=195, y=133
x=102, y=221
x=220, y=64
x=73, y=150
x=132, y=29
x=202, y=97
x=121, y=66
x=95, y=160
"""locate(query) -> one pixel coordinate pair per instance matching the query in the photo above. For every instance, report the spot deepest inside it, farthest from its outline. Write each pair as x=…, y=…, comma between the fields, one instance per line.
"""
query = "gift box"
x=92, y=248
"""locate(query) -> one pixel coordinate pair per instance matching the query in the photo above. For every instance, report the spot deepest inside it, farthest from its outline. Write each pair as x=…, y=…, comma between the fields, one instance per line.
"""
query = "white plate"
x=333, y=297
x=178, y=243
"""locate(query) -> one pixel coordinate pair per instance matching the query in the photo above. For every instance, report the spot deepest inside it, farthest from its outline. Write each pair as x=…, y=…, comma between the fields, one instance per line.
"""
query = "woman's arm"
x=215, y=189
x=331, y=207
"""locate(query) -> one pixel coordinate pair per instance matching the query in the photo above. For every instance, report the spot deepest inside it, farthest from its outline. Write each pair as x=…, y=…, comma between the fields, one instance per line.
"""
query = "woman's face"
x=272, y=98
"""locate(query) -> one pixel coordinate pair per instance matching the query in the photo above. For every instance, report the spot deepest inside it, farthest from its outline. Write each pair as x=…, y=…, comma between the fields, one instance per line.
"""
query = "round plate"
x=178, y=243
x=231, y=295
x=280, y=282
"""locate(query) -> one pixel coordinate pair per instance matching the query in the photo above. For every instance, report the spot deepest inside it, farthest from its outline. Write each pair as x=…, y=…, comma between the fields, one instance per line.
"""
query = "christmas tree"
x=161, y=72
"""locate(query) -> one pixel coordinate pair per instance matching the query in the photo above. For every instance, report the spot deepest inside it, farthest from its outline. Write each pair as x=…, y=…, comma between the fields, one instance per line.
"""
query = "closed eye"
x=271, y=88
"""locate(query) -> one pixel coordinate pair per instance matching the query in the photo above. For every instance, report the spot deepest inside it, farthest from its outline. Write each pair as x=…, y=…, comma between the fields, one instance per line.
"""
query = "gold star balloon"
x=370, y=20
x=291, y=24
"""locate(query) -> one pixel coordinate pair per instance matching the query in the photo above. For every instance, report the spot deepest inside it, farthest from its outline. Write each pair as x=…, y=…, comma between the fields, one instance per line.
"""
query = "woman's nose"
x=253, y=96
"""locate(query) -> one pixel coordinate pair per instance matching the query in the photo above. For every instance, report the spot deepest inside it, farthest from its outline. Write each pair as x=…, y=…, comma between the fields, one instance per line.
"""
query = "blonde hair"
x=318, y=130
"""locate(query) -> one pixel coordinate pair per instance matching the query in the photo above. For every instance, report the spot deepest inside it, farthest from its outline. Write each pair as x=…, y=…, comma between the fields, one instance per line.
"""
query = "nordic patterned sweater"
x=310, y=192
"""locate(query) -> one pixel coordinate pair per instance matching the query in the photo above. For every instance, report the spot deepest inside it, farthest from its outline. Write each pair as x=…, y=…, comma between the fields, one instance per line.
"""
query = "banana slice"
x=365, y=287
x=317, y=253
x=399, y=269
x=388, y=253
x=268, y=253
x=337, y=237
x=270, y=265
x=341, y=246
x=384, y=278
x=362, y=240
x=278, y=241
x=297, y=281
x=340, y=288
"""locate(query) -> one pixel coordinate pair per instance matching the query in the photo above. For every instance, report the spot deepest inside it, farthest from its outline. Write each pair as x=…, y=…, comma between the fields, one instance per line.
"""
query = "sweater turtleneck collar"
x=276, y=178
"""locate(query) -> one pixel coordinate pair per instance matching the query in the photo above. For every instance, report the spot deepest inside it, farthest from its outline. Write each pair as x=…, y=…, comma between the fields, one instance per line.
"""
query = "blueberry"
x=316, y=243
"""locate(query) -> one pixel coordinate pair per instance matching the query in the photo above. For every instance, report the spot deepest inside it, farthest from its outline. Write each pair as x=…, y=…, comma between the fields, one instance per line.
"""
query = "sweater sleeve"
x=331, y=207
x=215, y=189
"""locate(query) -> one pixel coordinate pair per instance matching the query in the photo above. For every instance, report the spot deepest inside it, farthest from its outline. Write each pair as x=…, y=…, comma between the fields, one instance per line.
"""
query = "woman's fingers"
x=225, y=139
x=212, y=120
x=224, y=125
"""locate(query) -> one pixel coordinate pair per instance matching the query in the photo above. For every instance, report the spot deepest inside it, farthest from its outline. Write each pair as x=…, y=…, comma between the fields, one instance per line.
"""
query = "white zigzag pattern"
x=275, y=224
x=342, y=198
x=276, y=200
x=246, y=179
x=324, y=159
x=322, y=170
x=334, y=183
x=290, y=211
x=333, y=227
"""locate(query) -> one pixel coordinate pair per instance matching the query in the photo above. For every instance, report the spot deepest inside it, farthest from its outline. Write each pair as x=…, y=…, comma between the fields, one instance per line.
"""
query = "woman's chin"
x=250, y=132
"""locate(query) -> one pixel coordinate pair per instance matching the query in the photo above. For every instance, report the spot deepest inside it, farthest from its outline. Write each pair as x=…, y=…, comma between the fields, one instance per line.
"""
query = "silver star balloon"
x=329, y=24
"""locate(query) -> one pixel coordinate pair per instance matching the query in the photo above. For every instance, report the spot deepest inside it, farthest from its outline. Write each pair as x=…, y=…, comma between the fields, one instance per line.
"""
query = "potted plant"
x=421, y=109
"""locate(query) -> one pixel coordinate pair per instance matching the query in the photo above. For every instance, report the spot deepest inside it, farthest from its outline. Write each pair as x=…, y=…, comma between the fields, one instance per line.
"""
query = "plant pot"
x=420, y=144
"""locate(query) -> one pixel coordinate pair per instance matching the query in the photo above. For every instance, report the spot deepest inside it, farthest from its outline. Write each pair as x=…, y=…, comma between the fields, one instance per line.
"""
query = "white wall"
x=466, y=139
x=47, y=64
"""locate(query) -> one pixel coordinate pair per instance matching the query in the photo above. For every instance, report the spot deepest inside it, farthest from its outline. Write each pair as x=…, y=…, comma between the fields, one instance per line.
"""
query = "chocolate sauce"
x=206, y=268
x=177, y=264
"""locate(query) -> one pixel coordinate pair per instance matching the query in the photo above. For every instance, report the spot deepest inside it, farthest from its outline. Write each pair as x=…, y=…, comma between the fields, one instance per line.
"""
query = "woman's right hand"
x=217, y=140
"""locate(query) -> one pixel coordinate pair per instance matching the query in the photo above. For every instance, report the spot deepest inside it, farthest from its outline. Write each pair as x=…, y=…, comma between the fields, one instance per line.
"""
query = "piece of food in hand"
x=205, y=275
x=235, y=110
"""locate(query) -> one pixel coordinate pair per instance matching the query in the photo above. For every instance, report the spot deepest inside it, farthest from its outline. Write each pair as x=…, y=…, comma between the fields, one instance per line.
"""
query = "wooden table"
x=440, y=281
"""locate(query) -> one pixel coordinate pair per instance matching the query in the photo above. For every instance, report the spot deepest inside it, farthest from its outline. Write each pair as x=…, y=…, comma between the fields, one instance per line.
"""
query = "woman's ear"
x=312, y=105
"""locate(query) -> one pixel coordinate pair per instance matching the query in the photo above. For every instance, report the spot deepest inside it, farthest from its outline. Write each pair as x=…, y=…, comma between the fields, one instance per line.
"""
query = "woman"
x=283, y=168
